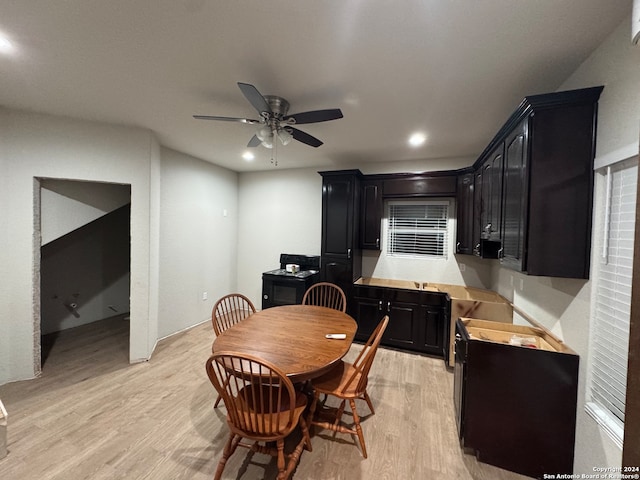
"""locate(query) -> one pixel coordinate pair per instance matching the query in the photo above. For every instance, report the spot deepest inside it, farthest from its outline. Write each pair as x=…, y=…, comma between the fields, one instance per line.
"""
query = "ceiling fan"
x=274, y=121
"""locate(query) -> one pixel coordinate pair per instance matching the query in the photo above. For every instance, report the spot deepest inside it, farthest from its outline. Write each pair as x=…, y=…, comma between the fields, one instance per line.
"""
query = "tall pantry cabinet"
x=341, y=257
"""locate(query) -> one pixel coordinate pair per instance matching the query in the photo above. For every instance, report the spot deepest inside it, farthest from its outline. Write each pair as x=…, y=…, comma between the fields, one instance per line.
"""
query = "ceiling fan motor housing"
x=279, y=106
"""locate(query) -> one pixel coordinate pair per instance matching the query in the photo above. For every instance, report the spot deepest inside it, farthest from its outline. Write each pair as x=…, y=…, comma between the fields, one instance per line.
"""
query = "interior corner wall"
x=564, y=305
x=198, y=239
x=35, y=145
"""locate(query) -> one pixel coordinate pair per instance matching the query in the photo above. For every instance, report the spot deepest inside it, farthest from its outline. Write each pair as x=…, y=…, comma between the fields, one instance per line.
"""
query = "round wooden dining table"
x=292, y=337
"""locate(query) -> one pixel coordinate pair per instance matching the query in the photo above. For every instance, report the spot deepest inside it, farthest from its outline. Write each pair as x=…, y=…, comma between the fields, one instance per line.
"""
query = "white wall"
x=280, y=212
x=198, y=239
x=564, y=305
x=33, y=145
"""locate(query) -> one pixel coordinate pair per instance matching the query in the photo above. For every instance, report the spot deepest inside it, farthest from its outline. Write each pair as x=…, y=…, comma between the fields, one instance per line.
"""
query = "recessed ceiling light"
x=417, y=139
x=5, y=45
x=248, y=156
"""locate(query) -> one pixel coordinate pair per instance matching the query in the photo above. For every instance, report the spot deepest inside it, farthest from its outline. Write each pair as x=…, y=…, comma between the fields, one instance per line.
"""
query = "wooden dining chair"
x=228, y=311
x=347, y=381
x=325, y=294
x=262, y=406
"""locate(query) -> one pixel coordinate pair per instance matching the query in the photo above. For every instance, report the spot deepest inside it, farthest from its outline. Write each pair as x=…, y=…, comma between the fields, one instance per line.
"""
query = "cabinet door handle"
x=380, y=305
x=377, y=243
x=458, y=247
x=388, y=307
x=349, y=253
x=501, y=253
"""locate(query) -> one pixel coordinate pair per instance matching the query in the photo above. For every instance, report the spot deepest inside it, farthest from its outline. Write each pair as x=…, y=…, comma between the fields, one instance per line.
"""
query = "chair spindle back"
x=325, y=294
x=230, y=310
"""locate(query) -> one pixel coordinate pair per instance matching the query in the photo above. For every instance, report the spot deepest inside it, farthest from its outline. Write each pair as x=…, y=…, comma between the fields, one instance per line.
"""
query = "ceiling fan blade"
x=315, y=116
x=303, y=137
x=254, y=142
x=255, y=97
x=227, y=119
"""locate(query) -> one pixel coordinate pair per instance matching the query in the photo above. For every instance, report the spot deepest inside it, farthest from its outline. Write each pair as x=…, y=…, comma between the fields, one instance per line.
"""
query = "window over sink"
x=418, y=228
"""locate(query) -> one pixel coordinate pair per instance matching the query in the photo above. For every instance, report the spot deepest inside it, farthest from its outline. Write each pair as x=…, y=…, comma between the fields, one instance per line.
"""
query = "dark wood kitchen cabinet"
x=491, y=196
x=464, y=214
x=340, y=256
x=417, y=319
x=430, y=184
x=402, y=306
x=548, y=184
x=371, y=214
x=533, y=187
x=483, y=245
x=433, y=335
x=477, y=211
x=515, y=194
x=515, y=405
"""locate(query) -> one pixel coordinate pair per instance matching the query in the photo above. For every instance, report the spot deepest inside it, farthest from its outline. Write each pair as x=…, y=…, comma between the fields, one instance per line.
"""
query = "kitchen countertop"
x=455, y=291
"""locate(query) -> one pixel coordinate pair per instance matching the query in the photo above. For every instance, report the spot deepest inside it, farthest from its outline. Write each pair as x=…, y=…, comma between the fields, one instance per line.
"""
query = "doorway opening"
x=82, y=272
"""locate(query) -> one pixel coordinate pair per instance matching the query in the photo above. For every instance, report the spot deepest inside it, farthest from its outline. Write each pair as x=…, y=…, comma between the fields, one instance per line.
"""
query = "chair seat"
x=269, y=422
x=339, y=379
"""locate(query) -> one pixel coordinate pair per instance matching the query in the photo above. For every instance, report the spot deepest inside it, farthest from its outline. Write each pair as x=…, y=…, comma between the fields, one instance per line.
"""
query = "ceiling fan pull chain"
x=274, y=150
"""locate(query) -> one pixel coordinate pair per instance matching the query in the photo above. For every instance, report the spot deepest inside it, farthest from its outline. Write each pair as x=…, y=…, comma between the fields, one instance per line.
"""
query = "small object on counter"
x=336, y=336
x=292, y=267
x=523, y=341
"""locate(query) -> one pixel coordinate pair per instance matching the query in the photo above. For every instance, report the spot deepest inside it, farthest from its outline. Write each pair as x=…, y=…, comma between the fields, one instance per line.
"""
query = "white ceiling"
x=454, y=69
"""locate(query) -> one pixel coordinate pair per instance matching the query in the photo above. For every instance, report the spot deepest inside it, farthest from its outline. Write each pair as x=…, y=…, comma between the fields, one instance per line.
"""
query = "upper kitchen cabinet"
x=438, y=184
x=533, y=187
x=371, y=214
x=340, y=261
x=491, y=194
x=515, y=194
x=548, y=184
x=464, y=215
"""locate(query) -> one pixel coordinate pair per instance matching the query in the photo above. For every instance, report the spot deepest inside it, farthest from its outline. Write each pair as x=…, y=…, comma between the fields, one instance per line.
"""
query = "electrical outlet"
x=463, y=267
x=205, y=295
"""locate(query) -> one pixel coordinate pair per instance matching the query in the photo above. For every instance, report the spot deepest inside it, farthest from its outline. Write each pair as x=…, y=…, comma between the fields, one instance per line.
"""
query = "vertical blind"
x=418, y=228
x=610, y=330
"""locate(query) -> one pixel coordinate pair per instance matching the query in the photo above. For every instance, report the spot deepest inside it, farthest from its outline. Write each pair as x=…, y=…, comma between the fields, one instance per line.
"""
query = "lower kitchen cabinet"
x=418, y=320
x=432, y=335
x=515, y=405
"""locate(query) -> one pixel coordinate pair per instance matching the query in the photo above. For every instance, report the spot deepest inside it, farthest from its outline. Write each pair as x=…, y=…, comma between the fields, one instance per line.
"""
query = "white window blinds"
x=418, y=228
x=610, y=324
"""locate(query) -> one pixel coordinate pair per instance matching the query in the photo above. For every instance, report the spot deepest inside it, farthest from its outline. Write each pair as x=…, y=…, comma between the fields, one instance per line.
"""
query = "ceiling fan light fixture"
x=265, y=135
x=284, y=136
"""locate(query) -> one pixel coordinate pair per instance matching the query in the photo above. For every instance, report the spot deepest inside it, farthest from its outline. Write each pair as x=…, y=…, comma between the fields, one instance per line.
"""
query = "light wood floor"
x=93, y=416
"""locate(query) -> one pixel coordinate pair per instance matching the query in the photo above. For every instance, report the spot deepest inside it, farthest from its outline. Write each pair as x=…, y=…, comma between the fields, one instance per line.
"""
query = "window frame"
x=617, y=213
x=445, y=231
